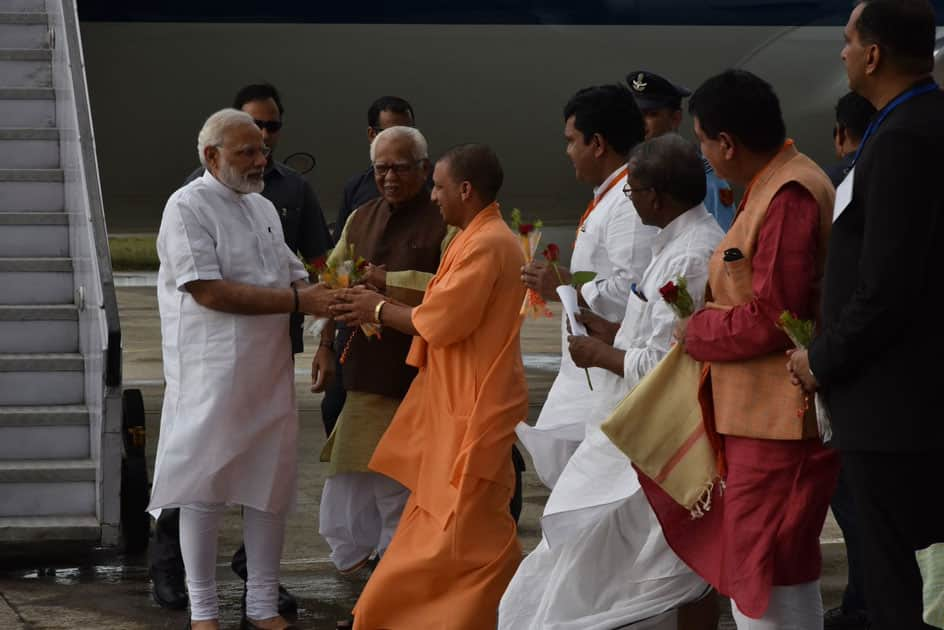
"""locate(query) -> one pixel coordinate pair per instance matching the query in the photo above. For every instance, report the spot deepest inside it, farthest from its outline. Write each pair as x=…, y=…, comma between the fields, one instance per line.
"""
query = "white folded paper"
x=568, y=297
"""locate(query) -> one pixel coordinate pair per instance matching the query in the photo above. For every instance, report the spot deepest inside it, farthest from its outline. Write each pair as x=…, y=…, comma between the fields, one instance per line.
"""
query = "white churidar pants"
x=359, y=514
x=263, y=534
x=798, y=607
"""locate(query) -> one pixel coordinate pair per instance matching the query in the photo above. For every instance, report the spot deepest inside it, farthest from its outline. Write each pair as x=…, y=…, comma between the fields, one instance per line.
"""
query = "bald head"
x=478, y=165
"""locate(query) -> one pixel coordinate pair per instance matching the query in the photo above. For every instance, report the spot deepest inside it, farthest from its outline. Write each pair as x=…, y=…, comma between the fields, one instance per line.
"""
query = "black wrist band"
x=295, y=295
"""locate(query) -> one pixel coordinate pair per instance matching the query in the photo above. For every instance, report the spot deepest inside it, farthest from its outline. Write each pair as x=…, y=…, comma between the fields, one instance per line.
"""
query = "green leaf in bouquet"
x=582, y=277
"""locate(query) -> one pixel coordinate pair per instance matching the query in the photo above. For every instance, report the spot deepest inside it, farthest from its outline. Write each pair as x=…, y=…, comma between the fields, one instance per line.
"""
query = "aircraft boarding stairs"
x=61, y=446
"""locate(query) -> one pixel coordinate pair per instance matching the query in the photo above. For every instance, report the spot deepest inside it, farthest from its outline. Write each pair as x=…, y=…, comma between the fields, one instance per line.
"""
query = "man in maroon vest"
x=402, y=235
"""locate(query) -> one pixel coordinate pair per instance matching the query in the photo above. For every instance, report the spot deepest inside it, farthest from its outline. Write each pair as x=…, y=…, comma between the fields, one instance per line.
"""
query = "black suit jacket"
x=883, y=294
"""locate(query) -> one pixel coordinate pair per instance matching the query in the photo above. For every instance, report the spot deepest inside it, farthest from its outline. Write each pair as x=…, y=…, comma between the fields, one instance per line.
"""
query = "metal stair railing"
x=99, y=326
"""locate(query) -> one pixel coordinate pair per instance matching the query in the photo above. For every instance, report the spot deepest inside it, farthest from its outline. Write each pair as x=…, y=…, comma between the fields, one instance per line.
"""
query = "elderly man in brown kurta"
x=402, y=235
x=456, y=548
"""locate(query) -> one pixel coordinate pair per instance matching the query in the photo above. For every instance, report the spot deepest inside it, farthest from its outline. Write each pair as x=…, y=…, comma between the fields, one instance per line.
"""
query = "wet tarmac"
x=56, y=587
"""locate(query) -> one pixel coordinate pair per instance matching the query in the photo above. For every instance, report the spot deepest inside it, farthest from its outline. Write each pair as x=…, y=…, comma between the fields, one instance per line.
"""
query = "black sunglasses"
x=271, y=126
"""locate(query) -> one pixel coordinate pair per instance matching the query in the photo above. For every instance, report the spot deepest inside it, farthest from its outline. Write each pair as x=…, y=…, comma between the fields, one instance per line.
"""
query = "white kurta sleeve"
x=186, y=248
x=627, y=244
x=296, y=267
x=646, y=353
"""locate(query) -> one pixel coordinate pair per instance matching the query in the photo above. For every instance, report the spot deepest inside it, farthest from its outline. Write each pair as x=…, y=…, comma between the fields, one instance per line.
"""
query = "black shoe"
x=169, y=590
x=288, y=605
x=247, y=624
x=839, y=619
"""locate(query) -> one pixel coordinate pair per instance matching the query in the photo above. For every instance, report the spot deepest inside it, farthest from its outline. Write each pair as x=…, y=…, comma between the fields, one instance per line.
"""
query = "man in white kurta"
x=603, y=562
x=226, y=285
x=602, y=124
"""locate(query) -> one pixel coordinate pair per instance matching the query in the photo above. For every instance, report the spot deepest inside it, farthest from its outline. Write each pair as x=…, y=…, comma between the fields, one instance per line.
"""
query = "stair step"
x=33, y=218
x=44, y=416
x=23, y=17
x=47, y=487
x=26, y=529
x=35, y=148
x=27, y=107
x=24, y=29
x=31, y=175
x=25, y=67
x=45, y=433
x=21, y=386
x=36, y=281
x=31, y=189
x=42, y=362
x=47, y=471
x=25, y=54
x=38, y=265
x=25, y=94
x=39, y=328
x=34, y=234
x=38, y=312
x=33, y=6
x=28, y=133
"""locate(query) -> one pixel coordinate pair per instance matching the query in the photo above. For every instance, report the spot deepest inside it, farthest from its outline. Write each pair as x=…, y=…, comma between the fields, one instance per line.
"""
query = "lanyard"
x=593, y=204
x=907, y=96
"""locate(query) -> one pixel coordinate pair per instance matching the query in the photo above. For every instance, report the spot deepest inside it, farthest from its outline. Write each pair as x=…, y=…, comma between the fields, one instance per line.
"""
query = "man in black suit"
x=882, y=307
x=853, y=114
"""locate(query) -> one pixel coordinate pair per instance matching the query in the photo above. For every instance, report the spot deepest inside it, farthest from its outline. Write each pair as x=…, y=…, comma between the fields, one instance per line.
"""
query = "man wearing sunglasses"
x=306, y=233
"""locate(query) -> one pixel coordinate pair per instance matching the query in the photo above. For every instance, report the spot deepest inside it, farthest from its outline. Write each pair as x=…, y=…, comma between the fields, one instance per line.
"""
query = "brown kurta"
x=409, y=241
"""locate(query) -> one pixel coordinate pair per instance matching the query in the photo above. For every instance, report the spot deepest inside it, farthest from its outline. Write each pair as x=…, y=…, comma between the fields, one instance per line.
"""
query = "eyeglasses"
x=272, y=126
x=249, y=153
x=629, y=192
x=400, y=168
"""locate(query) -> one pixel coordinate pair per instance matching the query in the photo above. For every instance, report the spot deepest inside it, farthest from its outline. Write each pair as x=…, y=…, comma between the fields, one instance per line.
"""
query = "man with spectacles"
x=402, y=235
x=305, y=232
x=385, y=112
x=661, y=103
x=229, y=423
x=609, y=542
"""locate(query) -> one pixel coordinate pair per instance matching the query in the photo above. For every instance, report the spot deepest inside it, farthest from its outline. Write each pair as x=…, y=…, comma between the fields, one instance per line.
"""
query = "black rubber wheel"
x=135, y=521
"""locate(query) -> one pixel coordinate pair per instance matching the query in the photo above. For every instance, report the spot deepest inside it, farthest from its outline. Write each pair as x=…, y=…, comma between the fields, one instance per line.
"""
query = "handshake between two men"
x=364, y=304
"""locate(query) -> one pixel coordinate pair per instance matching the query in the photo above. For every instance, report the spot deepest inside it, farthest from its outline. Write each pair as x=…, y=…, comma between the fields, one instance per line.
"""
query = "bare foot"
x=210, y=624
x=273, y=623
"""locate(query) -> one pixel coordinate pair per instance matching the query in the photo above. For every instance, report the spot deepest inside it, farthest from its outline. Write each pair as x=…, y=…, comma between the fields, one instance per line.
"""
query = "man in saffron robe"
x=456, y=548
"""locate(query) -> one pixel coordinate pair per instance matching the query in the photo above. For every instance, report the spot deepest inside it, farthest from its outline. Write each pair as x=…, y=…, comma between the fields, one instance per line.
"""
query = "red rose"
x=361, y=265
x=318, y=263
x=669, y=292
x=551, y=252
x=525, y=228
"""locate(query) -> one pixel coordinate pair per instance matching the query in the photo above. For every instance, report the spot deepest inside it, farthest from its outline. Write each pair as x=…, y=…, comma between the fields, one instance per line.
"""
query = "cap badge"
x=639, y=83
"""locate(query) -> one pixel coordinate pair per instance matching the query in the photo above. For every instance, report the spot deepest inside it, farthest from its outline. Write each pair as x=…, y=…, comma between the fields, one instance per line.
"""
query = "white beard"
x=240, y=183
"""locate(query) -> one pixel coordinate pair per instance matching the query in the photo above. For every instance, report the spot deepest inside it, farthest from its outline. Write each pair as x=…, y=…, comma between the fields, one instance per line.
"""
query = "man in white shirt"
x=603, y=562
x=601, y=125
x=226, y=286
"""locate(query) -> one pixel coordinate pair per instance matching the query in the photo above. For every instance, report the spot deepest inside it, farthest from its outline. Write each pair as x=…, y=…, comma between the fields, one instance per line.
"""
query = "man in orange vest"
x=759, y=542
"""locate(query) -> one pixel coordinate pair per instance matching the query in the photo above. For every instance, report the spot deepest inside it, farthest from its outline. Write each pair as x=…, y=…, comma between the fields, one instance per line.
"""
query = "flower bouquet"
x=800, y=332
x=529, y=235
x=340, y=273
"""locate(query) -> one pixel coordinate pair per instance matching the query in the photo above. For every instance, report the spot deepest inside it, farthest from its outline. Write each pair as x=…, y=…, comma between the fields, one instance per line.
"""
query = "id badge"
x=843, y=195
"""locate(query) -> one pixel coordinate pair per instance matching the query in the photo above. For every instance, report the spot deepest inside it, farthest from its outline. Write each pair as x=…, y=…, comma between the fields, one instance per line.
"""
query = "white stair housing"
x=60, y=361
